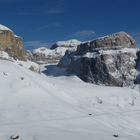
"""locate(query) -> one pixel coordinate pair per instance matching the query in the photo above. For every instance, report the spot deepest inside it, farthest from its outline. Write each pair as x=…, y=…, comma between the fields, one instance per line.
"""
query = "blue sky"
x=42, y=22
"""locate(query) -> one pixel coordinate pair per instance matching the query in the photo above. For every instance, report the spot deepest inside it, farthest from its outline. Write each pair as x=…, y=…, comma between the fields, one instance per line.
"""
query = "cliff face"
x=109, y=60
x=11, y=43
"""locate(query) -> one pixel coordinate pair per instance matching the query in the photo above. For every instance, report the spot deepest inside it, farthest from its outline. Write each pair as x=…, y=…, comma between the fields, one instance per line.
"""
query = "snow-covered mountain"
x=44, y=55
x=49, y=52
x=38, y=107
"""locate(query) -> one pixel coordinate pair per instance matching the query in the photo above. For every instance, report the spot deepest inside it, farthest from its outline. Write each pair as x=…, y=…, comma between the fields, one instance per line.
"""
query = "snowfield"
x=40, y=107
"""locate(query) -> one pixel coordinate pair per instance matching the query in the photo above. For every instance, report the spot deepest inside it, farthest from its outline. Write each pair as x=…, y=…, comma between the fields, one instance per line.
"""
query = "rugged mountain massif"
x=109, y=60
x=44, y=55
x=38, y=107
x=11, y=43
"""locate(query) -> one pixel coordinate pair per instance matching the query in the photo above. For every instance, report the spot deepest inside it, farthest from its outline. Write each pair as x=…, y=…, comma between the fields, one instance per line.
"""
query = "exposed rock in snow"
x=29, y=65
x=109, y=60
x=44, y=55
x=14, y=137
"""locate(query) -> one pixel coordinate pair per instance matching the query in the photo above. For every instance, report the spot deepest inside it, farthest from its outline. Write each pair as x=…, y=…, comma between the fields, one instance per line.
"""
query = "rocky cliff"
x=11, y=43
x=109, y=60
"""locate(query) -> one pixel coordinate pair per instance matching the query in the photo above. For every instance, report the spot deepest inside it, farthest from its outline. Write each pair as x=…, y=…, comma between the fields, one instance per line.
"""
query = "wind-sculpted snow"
x=37, y=107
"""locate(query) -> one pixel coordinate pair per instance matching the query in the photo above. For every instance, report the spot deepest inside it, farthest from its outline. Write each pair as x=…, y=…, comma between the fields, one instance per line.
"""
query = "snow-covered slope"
x=47, y=52
x=27, y=64
x=37, y=107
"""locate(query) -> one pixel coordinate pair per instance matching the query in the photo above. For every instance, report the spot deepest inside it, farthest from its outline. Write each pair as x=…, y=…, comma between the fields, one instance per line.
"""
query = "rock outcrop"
x=11, y=43
x=44, y=55
x=109, y=60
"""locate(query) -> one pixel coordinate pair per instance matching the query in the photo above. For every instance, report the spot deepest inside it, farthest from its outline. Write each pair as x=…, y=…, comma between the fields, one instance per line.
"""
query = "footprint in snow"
x=22, y=78
x=99, y=100
x=115, y=135
x=5, y=74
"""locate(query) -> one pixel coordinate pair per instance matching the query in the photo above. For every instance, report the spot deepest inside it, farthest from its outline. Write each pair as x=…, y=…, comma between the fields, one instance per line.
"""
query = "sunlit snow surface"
x=39, y=107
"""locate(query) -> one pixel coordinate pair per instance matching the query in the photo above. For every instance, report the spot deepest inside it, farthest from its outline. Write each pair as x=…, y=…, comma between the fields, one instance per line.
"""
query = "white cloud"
x=84, y=34
x=55, y=11
x=24, y=13
x=49, y=26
